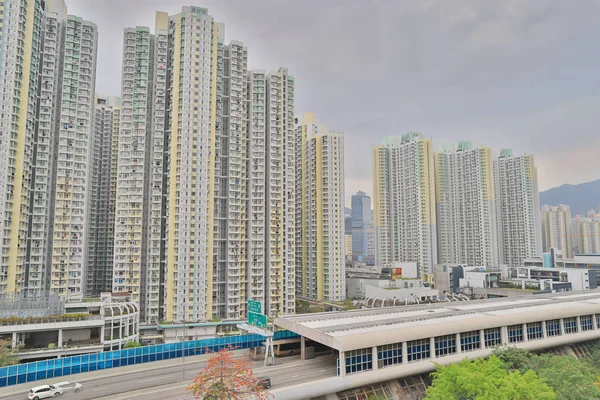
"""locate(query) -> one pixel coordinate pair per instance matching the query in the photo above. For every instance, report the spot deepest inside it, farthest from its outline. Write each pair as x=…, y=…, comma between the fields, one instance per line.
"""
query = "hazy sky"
x=505, y=74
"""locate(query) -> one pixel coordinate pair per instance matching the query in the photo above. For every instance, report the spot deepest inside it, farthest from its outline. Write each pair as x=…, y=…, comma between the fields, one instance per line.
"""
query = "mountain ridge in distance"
x=580, y=198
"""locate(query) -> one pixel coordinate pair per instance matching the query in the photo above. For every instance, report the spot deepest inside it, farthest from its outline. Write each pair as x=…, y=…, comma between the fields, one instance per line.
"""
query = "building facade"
x=465, y=206
x=320, y=251
x=556, y=229
x=404, y=194
x=518, y=208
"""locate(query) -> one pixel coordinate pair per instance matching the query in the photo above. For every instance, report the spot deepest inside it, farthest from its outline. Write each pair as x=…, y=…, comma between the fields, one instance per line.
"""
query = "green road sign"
x=254, y=306
x=256, y=319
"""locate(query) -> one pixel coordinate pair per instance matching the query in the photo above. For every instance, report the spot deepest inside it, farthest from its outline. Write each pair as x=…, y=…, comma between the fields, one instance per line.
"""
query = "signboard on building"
x=396, y=273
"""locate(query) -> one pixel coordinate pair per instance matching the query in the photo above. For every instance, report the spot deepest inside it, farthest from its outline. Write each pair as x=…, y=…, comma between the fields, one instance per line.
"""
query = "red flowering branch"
x=227, y=378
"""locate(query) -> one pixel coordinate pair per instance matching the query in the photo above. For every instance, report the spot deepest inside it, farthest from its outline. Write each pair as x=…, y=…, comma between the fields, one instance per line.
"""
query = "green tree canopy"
x=571, y=378
x=6, y=356
x=486, y=379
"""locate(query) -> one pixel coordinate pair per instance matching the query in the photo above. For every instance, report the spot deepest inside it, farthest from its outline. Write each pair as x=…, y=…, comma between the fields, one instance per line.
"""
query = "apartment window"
x=492, y=337
x=515, y=333
x=470, y=341
x=445, y=345
x=359, y=360
x=570, y=325
x=553, y=327
x=389, y=354
x=534, y=331
x=587, y=322
x=418, y=350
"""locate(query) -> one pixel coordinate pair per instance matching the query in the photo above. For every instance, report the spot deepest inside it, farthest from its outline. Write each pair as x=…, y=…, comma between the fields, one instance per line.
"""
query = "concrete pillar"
x=562, y=326
x=15, y=340
x=404, y=353
x=432, y=347
x=458, y=348
x=102, y=332
x=302, y=348
x=60, y=338
x=504, y=335
x=375, y=360
x=578, y=319
x=544, y=332
x=342, y=363
x=525, y=337
x=482, y=338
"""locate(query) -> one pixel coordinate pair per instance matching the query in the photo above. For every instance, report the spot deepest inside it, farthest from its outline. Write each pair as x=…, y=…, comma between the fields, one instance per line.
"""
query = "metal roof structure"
x=350, y=330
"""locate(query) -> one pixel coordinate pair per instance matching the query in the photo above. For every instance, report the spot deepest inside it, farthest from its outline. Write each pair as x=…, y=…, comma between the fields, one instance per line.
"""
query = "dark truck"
x=263, y=382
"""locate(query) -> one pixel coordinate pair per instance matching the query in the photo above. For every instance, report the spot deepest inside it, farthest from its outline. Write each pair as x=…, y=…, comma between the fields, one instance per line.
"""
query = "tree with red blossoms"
x=227, y=378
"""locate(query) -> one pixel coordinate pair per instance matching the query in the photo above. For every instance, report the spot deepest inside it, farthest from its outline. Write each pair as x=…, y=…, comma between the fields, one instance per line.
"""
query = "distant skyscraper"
x=361, y=224
x=102, y=196
x=466, y=214
x=404, y=196
x=518, y=208
x=587, y=235
x=320, y=255
x=556, y=229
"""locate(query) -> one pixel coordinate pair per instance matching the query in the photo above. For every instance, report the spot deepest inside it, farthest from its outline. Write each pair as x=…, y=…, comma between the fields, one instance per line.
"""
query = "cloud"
x=513, y=73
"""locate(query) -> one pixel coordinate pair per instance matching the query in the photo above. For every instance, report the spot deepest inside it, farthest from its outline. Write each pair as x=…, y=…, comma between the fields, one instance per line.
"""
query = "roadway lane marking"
x=155, y=378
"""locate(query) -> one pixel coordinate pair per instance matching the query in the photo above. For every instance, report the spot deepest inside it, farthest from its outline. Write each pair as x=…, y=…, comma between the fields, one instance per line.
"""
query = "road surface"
x=169, y=382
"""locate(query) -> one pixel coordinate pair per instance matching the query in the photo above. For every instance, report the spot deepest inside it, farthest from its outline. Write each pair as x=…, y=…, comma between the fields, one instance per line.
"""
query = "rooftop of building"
x=351, y=330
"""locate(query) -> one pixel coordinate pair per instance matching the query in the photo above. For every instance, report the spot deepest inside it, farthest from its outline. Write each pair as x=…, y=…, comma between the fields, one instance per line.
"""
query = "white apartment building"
x=102, y=196
x=518, y=208
x=320, y=254
x=73, y=156
x=465, y=205
x=587, y=235
x=21, y=27
x=556, y=229
x=404, y=200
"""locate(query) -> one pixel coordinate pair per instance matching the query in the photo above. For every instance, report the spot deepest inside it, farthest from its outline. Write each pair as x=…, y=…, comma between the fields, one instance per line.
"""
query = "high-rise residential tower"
x=43, y=180
x=404, y=197
x=21, y=29
x=556, y=229
x=102, y=197
x=203, y=199
x=271, y=200
x=320, y=255
x=518, y=208
x=362, y=224
x=465, y=203
x=73, y=158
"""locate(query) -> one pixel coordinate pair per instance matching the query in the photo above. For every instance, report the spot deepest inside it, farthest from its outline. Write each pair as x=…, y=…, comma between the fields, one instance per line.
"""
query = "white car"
x=69, y=386
x=44, y=392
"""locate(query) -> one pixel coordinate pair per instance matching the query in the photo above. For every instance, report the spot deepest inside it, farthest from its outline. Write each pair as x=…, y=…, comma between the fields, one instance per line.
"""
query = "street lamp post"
x=183, y=353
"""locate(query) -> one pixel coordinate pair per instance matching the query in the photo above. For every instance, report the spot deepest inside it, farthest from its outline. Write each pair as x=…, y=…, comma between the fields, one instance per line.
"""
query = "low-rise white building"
x=83, y=326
